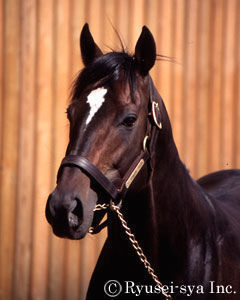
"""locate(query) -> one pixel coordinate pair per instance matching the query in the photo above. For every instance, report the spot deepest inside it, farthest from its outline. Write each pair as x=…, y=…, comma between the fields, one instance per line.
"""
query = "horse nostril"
x=75, y=216
x=73, y=220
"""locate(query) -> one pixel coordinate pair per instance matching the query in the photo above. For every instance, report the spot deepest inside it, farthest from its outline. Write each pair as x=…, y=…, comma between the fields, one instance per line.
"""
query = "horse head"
x=108, y=118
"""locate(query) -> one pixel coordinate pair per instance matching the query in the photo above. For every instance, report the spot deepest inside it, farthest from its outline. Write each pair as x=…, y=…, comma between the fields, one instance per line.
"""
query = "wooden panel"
x=236, y=103
x=1, y=134
x=9, y=157
x=178, y=71
x=203, y=77
x=122, y=23
x=228, y=80
x=190, y=82
x=40, y=57
x=1, y=83
x=215, y=84
x=25, y=192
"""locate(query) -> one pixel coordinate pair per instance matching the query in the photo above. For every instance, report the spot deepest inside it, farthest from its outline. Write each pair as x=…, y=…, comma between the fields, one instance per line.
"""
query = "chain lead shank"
x=134, y=244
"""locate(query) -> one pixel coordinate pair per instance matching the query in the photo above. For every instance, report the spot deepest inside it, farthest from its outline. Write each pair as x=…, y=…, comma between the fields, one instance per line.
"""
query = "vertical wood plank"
x=109, y=36
x=26, y=151
x=152, y=20
x=94, y=16
x=215, y=84
x=203, y=78
x=1, y=127
x=236, y=107
x=189, y=85
x=122, y=21
x=136, y=19
x=1, y=81
x=77, y=19
x=9, y=163
x=228, y=91
x=164, y=47
x=178, y=72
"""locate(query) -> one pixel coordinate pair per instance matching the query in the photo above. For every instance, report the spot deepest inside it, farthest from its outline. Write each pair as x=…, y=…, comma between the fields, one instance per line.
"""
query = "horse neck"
x=178, y=202
x=172, y=209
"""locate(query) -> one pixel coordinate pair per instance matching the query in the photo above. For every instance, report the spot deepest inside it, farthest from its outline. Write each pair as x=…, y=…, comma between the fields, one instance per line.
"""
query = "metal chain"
x=135, y=245
x=101, y=206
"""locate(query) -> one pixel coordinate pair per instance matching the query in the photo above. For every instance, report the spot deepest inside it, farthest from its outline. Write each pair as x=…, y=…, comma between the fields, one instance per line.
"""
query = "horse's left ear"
x=89, y=50
x=145, y=51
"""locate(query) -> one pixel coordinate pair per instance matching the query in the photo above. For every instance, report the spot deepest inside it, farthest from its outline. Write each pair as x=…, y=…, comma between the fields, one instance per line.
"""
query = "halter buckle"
x=156, y=114
x=145, y=142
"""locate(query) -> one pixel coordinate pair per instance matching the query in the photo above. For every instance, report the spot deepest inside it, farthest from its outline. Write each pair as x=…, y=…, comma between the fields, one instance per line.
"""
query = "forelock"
x=104, y=71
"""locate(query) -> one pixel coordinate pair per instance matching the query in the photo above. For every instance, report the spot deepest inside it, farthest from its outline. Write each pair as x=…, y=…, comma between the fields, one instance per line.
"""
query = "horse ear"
x=145, y=51
x=89, y=50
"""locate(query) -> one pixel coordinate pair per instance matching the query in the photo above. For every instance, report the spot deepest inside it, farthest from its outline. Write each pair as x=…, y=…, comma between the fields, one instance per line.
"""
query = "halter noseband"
x=116, y=194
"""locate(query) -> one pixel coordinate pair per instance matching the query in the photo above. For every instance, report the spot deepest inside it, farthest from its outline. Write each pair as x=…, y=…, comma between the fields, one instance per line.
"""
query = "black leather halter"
x=116, y=194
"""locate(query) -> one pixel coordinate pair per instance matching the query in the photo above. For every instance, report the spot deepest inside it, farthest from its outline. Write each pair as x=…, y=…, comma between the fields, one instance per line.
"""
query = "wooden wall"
x=39, y=58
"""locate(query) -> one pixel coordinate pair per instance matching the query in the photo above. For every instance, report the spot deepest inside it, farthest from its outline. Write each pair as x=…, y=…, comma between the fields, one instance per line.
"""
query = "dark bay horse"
x=121, y=157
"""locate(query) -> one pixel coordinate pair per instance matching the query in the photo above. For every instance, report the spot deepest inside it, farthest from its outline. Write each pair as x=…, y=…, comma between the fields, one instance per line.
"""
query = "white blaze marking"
x=95, y=99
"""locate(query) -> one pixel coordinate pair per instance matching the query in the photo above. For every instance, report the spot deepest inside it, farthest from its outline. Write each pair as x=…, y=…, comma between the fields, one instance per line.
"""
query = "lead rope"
x=134, y=244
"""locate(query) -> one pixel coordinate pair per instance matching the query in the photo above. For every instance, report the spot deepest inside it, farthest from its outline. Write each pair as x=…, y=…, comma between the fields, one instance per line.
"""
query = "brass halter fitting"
x=155, y=113
x=145, y=142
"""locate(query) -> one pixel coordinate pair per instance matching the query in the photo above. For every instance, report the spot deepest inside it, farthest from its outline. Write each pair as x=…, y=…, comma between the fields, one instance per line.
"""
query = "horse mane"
x=105, y=70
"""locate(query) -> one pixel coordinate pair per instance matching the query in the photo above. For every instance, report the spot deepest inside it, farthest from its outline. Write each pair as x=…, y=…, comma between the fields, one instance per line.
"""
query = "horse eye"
x=129, y=121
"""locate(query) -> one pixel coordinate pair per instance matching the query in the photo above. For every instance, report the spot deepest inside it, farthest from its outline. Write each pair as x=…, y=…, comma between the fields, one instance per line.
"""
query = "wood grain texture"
x=10, y=142
x=39, y=59
x=26, y=133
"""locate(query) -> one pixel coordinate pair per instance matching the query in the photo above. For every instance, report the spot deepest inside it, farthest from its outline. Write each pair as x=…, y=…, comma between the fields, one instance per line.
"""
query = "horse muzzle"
x=67, y=214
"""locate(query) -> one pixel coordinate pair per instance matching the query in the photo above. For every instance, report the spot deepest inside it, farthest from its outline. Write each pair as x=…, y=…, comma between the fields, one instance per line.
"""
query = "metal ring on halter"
x=154, y=107
x=145, y=142
x=91, y=229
